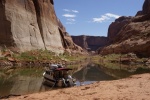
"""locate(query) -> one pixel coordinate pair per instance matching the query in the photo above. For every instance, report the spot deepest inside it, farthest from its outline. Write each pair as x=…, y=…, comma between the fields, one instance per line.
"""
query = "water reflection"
x=29, y=80
x=96, y=72
x=22, y=81
x=90, y=74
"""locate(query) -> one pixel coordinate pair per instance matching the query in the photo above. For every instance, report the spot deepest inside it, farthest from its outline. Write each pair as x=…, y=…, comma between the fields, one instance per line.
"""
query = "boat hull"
x=49, y=82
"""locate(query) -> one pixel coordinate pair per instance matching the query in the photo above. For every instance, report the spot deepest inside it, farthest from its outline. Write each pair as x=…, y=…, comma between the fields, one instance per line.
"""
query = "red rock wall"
x=115, y=27
x=91, y=43
x=146, y=7
x=31, y=24
x=133, y=36
x=5, y=27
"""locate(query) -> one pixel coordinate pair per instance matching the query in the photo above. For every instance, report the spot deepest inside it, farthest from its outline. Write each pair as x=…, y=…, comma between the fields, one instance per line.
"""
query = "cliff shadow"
x=6, y=38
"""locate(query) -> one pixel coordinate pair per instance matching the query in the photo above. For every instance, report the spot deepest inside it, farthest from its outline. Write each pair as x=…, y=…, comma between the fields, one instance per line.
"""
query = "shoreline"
x=135, y=87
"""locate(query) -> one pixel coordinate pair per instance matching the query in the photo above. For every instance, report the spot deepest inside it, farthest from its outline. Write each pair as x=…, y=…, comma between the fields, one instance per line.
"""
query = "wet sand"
x=136, y=87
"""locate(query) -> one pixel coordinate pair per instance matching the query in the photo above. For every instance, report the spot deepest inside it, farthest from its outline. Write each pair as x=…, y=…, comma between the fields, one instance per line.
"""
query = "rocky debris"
x=131, y=55
x=123, y=60
x=8, y=55
x=132, y=36
x=90, y=43
x=9, y=96
x=11, y=59
x=130, y=58
x=148, y=62
x=6, y=64
x=31, y=24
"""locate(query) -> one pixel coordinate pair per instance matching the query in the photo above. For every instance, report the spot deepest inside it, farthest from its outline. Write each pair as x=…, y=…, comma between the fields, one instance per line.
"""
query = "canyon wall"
x=130, y=34
x=91, y=43
x=32, y=24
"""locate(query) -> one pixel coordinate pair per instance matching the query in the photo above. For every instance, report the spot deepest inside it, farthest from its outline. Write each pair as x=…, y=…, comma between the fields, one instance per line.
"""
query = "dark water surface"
x=28, y=80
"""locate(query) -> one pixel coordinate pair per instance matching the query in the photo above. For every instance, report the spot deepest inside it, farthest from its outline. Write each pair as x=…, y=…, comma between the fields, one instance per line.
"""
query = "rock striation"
x=130, y=34
x=90, y=43
x=116, y=26
x=32, y=24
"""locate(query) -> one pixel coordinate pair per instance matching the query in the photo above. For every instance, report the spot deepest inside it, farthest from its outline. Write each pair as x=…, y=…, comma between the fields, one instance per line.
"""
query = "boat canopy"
x=55, y=66
x=60, y=69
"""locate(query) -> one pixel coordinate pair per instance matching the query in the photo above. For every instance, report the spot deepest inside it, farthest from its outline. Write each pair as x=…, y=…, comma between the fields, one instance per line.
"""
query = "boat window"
x=65, y=74
x=59, y=66
x=56, y=74
x=51, y=73
x=60, y=74
x=47, y=72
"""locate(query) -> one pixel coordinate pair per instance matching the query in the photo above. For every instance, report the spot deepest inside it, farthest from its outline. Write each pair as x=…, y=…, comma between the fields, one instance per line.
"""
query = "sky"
x=93, y=17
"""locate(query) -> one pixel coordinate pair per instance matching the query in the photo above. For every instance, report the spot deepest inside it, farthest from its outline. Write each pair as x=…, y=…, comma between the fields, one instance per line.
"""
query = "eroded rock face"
x=30, y=24
x=91, y=43
x=133, y=36
x=116, y=26
x=81, y=41
x=146, y=7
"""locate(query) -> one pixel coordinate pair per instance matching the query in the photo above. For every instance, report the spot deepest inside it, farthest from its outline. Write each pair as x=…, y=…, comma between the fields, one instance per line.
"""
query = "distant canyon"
x=127, y=34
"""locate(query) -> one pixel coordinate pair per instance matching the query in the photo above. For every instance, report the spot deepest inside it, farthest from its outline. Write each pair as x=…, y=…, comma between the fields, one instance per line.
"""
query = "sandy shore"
x=136, y=87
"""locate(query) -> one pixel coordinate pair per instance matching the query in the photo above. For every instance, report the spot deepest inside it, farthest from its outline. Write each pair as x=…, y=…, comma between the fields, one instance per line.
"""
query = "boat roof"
x=55, y=65
x=61, y=69
x=58, y=67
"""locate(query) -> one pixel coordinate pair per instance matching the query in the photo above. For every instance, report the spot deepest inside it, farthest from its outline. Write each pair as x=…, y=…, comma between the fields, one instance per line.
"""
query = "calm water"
x=29, y=80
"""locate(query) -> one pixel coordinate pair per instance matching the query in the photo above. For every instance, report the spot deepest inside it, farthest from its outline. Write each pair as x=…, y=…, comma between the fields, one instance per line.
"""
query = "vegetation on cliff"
x=39, y=57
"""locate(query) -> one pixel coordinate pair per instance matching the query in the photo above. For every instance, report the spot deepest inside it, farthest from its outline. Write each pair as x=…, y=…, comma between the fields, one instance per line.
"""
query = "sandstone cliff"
x=32, y=24
x=91, y=43
x=130, y=34
x=116, y=26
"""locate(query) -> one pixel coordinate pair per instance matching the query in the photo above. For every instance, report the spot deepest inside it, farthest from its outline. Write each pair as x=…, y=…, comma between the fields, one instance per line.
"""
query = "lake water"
x=28, y=80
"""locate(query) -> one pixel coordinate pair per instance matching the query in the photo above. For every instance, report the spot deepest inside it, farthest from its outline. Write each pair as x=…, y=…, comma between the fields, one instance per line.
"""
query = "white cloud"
x=75, y=11
x=70, y=23
x=112, y=15
x=69, y=15
x=101, y=19
x=71, y=19
x=105, y=17
x=67, y=10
